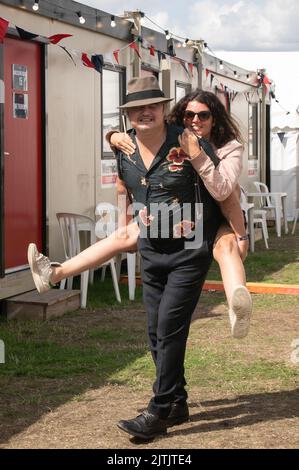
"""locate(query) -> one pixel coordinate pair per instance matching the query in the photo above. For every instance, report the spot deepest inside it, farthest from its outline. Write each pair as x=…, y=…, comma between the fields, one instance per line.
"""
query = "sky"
x=250, y=33
x=238, y=25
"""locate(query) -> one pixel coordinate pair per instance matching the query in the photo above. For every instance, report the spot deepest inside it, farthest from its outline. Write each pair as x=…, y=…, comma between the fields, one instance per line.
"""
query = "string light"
x=81, y=18
x=167, y=35
x=35, y=6
x=142, y=21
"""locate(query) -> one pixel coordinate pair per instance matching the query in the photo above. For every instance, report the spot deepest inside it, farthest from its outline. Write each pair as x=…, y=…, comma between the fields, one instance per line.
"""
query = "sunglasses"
x=202, y=115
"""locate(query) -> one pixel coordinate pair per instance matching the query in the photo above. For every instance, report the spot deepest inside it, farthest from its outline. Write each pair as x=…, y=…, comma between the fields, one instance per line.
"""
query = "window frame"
x=122, y=93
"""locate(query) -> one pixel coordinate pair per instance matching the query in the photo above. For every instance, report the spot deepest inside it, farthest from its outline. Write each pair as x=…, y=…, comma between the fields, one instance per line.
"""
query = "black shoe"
x=179, y=414
x=144, y=426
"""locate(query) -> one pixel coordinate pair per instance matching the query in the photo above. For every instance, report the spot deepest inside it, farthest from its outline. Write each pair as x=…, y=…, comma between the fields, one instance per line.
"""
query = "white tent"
x=285, y=159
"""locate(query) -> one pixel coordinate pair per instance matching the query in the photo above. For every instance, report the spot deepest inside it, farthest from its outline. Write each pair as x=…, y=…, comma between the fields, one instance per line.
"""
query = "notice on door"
x=20, y=105
x=19, y=77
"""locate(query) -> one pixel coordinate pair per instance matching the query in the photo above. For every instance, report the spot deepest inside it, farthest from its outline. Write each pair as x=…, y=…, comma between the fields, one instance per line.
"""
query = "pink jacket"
x=221, y=181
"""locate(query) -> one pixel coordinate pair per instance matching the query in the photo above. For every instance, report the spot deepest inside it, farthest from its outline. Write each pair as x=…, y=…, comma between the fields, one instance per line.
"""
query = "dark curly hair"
x=224, y=129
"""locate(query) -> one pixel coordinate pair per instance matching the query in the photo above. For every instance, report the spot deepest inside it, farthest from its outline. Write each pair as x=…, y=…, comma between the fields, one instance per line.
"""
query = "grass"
x=279, y=264
x=50, y=363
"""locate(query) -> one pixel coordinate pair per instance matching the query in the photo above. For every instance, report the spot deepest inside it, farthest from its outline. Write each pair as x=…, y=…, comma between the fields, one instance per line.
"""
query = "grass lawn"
x=65, y=382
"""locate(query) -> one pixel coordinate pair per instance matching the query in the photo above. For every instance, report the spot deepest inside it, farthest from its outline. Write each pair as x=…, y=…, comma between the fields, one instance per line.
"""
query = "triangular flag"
x=115, y=53
x=68, y=53
x=207, y=73
x=281, y=136
x=190, y=66
x=86, y=61
x=159, y=56
x=108, y=58
x=58, y=37
x=266, y=80
x=211, y=79
x=152, y=50
x=134, y=46
x=3, y=28
x=26, y=34
x=183, y=64
x=98, y=62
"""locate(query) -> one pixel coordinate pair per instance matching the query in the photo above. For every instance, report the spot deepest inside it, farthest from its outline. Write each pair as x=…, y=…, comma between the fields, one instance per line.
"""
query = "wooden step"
x=35, y=306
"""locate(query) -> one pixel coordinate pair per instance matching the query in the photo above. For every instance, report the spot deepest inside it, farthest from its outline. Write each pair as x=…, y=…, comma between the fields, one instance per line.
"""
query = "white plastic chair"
x=254, y=217
x=295, y=221
x=266, y=201
x=70, y=227
x=107, y=224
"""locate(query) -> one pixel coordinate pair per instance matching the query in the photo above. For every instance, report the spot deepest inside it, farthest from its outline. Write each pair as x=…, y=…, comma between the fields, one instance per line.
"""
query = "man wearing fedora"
x=160, y=173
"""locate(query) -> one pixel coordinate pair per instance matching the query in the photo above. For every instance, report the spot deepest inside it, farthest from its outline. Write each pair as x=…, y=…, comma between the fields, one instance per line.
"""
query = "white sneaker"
x=240, y=312
x=41, y=268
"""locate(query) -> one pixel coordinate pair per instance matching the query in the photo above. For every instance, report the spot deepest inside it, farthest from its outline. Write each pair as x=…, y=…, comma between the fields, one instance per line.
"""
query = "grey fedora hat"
x=143, y=91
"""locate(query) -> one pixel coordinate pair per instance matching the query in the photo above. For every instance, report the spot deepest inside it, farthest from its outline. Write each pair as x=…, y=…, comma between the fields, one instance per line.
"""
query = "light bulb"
x=221, y=65
x=35, y=6
x=167, y=34
x=113, y=23
x=81, y=18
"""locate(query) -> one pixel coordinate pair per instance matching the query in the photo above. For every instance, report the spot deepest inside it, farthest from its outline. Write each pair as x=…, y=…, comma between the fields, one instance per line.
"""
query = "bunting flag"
x=108, y=58
x=160, y=54
x=3, y=28
x=190, y=66
x=26, y=34
x=58, y=37
x=86, y=61
x=68, y=53
x=281, y=136
x=115, y=54
x=152, y=51
x=266, y=80
x=98, y=62
x=134, y=46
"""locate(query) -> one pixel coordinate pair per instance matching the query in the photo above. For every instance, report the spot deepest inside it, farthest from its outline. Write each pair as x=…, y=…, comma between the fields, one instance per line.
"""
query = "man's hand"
x=123, y=142
x=243, y=246
x=189, y=143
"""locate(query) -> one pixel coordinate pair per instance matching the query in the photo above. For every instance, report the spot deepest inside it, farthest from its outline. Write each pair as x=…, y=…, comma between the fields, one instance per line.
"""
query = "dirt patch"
x=266, y=420
x=82, y=412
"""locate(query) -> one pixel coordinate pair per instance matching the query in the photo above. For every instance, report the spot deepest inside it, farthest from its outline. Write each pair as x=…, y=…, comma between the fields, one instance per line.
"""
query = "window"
x=113, y=87
x=181, y=89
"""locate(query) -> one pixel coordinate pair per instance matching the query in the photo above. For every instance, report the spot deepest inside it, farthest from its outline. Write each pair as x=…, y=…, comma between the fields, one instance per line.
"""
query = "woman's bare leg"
x=121, y=240
x=226, y=253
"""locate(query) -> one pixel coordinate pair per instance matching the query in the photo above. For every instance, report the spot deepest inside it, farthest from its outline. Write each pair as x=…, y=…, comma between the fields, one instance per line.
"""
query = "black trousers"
x=172, y=284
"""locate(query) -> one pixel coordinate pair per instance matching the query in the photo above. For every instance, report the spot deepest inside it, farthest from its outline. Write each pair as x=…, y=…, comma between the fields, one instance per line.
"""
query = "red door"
x=22, y=150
